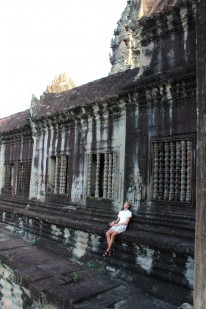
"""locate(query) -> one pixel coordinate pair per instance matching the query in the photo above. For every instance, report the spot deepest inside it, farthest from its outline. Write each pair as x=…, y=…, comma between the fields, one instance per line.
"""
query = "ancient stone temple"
x=69, y=162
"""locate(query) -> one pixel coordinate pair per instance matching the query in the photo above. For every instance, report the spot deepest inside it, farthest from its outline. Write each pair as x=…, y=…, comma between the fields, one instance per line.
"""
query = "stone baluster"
x=89, y=174
x=19, y=176
x=183, y=171
x=63, y=175
x=110, y=176
x=23, y=175
x=56, y=183
x=156, y=171
x=172, y=172
x=189, y=171
x=167, y=170
x=7, y=180
x=114, y=174
x=97, y=176
x=178, y=171
x=161, y=171
x=105, y=187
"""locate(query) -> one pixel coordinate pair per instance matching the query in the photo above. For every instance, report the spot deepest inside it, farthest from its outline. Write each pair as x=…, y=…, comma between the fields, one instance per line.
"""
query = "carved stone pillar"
x=200, y=239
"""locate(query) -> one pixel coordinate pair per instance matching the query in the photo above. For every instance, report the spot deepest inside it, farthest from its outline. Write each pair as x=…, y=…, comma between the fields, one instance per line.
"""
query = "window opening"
x=9, y=176
x=58, y=174
x=172, y=170
x=23, y=176
x=101, y=175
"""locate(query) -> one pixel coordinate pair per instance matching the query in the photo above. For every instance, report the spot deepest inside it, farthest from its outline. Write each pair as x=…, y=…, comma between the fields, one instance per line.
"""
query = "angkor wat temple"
x=69, y=162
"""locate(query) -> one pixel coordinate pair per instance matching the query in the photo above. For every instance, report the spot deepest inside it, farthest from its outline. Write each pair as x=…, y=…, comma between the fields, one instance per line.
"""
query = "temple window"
x=58, y=169
x=172, y=170
x=9, y=176
x=101, y=175
x=23, y=176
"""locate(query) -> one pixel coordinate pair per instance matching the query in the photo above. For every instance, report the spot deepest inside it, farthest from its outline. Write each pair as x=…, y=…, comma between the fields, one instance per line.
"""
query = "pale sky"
x=43, y=38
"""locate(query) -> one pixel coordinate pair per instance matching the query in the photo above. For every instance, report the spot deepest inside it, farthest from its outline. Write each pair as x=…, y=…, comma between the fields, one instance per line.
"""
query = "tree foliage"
x=60, y=83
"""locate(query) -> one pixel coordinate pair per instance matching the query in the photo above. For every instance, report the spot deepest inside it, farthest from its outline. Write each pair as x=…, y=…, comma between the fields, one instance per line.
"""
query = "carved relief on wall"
x=134, y=191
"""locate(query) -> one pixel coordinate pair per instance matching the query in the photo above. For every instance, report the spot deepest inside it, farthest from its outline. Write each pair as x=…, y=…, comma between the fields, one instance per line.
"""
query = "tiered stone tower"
x=125, y=45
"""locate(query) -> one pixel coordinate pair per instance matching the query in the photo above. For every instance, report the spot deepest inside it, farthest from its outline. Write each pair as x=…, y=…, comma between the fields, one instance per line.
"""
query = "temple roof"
x=98, y=91
x=15, y=121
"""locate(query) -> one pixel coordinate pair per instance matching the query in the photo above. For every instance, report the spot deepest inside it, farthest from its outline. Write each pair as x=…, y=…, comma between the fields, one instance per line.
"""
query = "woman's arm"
x=123, y=223
x=114, y=222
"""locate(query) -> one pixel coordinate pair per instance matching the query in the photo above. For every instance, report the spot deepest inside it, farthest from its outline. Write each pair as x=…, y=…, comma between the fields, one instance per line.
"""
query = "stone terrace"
x=78, y=233
x=50, y=280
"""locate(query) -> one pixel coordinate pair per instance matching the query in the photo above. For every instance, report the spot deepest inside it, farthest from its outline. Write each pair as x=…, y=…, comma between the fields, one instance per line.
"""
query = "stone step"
x=13, y=203
x=124, y=297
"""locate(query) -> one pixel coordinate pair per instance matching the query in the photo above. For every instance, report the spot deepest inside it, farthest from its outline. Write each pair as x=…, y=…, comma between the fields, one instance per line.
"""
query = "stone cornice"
x=78, y=116
x=17, y=134
x=151, y=91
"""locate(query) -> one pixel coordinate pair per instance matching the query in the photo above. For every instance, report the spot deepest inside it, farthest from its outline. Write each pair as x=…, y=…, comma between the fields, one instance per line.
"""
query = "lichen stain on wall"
x=55, y=231
x=81, y=244
x=95, y=242
x=144, y=258
x=67, y=235
x=189, y=273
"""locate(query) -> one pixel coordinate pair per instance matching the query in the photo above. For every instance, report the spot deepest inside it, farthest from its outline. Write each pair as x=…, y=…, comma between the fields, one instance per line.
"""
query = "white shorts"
x=119, y=229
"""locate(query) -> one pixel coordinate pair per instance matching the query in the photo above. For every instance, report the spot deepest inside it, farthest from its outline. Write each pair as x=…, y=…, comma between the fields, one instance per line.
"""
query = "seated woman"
x=118, y=226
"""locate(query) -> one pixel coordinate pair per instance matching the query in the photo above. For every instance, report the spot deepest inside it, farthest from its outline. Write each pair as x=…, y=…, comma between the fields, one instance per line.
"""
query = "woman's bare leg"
x=110, y=235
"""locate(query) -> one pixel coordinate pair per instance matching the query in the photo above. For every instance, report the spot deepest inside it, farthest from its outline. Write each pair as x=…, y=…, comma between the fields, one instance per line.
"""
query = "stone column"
x=200, y=241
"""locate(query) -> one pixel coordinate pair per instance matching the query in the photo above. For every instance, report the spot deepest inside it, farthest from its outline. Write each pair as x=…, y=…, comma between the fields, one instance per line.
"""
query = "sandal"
x=107, y=253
